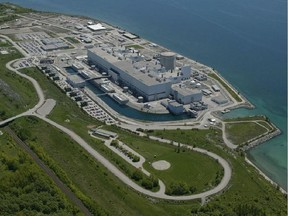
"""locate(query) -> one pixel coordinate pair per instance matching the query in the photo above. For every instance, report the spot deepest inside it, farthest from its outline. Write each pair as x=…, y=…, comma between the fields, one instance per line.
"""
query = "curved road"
x=160, y=194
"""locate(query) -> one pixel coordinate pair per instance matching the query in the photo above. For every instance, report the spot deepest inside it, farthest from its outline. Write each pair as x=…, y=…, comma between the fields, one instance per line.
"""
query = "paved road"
x=38, y=89
x=160, y=194
x=128, y=181
x=225, y=139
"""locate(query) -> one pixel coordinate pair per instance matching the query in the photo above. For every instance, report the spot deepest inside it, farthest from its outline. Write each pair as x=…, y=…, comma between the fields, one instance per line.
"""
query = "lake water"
x=246, y=41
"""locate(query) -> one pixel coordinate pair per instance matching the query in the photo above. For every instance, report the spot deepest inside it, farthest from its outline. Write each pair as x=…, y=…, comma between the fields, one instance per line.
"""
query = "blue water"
x=246, y=41
x=133, y=113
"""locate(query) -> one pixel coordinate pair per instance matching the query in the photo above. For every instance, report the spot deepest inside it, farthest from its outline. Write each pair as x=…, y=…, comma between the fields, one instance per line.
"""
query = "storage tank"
x=125, y=89
x=140, y=99
x=168, y=59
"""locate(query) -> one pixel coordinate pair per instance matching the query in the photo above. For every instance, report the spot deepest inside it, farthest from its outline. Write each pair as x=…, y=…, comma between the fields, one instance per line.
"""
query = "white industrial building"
x=76, y=81
x=148, y=79
x=185, y=95
x=96, y=27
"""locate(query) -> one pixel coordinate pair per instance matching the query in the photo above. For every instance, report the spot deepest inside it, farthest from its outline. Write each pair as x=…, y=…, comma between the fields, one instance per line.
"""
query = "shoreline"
x=265, y=176
x=262, y=139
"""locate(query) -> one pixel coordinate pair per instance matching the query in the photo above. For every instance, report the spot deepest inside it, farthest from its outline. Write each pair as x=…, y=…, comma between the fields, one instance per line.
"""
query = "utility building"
x=185, y=95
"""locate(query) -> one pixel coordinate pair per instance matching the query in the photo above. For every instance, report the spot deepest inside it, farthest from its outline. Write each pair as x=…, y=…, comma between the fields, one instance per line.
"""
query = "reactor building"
x=168, y=60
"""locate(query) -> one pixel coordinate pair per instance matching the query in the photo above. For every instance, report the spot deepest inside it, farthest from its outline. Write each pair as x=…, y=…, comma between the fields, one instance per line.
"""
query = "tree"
x=137, y=175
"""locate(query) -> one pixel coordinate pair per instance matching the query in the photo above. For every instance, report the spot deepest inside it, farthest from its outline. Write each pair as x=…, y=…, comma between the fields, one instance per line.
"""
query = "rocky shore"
x=259, y=140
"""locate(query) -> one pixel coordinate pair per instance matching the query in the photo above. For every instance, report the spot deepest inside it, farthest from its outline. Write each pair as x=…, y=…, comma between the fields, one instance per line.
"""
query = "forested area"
x=24, y=187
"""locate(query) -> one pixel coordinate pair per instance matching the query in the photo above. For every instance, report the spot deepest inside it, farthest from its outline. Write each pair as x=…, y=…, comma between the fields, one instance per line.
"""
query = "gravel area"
x=161, y=165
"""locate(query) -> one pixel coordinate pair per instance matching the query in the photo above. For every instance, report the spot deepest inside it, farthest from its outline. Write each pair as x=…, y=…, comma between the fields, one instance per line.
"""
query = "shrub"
x=137, y=175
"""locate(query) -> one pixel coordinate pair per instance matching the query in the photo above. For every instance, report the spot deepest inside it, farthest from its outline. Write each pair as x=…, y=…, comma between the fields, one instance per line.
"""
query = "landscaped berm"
x=161, y=165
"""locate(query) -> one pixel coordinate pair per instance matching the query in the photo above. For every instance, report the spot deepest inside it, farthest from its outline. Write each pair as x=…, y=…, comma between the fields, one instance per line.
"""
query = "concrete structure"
x=175, y=108
x=215, y=88
x=121, y=99
x=168, y=60
x=76, y=81
x=198, y=106
x=104, y=133
x=185, y=95
x=219, y=100
x=130, y=36
x=77, y=66
x=201, y=77
x=96, y=27
x=206, y=92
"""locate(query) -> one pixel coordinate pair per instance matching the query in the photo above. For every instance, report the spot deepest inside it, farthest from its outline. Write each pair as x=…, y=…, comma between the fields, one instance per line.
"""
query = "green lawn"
x=88, y=178
x=247, y=189
x=193, y=169
x=16, y=93
x=72, y=40
x=135, y=46
x=65, y=108
x=240, y=133
x=25, y=189
x=188, y=167
x=197, y=138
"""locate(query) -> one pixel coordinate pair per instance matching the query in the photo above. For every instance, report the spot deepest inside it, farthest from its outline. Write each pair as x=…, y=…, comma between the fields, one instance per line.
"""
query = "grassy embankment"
x=67, y=113
x=16, y=93
x=25, y=189
x=230, y=91
x=100, y=190
x=247, y=192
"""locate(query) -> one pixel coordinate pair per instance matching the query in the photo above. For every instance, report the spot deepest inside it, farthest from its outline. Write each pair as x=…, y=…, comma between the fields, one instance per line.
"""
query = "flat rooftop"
x=184, y=91
x=127, y=67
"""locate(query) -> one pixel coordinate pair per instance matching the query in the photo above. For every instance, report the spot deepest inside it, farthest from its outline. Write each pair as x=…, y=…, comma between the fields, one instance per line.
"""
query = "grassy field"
x=65, y=108
x=90, y=179
x=247, y=189
x=231, y=92
x=240, y=133
x=197, y=138
x=72, y=40
x=184, y=163
x=6, y=8
x=25, y=189
x=16, y=93
x=135, y=46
